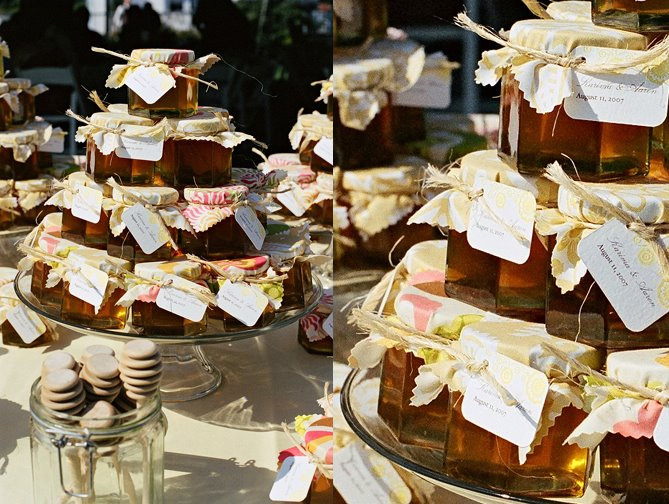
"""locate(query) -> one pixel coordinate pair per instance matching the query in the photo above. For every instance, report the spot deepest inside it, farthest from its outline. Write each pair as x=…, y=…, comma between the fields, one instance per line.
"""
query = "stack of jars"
x=160, y=231
x=590, y=281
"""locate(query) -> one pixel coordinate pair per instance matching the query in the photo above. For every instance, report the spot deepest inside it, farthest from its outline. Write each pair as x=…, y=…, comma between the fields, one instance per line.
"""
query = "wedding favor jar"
x=632, y=15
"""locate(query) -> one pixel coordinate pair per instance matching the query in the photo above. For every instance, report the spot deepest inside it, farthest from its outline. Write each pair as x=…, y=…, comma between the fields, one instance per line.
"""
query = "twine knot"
x=477, y=367
x=662, y=397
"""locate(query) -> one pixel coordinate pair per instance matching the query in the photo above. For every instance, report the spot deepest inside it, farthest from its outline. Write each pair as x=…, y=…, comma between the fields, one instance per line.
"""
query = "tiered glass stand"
x=359, y=397
x=187, y=372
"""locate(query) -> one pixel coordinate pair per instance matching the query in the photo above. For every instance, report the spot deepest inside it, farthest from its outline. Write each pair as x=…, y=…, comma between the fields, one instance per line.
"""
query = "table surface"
x=219, y=449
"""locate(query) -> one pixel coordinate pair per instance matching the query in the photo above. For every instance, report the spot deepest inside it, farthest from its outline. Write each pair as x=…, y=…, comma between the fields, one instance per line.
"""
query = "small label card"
x=138, y=147
x=628, y=272
x=292, y=200
x=89, y=285
x=366, y=478
x=87, y=204
x=27, y=324
x=432, y=90
x=55, y=144
x=293, y=480
x=145, y=228
x=248, y=221
x=324, y=149
x=661, y=433
x=483, y=406
x=514, y=208
x=149, y=83
x=180, y=302
x=626, y=98
x=243, y=301
x=328, y=325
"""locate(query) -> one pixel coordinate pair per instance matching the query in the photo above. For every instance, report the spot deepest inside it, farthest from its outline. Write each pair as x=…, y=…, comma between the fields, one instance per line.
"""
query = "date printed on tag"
x=149, y=83
x=146, y=228
x=87, y=204
x=27, y=324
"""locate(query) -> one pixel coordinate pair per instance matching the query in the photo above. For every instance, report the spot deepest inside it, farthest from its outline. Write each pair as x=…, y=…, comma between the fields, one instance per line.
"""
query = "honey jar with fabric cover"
x=632, y=15
x=8, y=102
x=18, y=158
x=8, y=204
x=25, y=93
x=31, y=196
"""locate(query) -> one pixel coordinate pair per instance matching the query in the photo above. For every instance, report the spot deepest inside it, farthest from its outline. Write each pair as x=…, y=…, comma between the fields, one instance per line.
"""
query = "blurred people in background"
x=118, y=19
x=224, y=28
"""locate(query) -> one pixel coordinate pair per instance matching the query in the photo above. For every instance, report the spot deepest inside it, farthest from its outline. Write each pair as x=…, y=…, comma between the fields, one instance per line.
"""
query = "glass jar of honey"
x=7, y=100
x=307, y=132
x=10, y=336
x=8, y=204
x=312, y=334
x=531, y=140
x=575, y=304
x=108, y=315
x=546, y=468
x=632, y=15
x=25, y=93
x=18, y=160
x=152, y=318
x=181, y=99
x=31, y=196
x=103, y=166
x=355, y=21
x=164, y=218
x=198, y=150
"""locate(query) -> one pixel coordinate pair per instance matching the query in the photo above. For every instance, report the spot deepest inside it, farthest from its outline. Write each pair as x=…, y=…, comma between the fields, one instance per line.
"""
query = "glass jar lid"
x=207, y=121
x=148, y=195
x=18, y=137
x=640, y=368
x=114, y=120
x=225, y=195
x=190, y=270
x=4, y=88
x=168, y=56
x=34, y=185
x=245, y=266
x=99, y=259
x=17, y=83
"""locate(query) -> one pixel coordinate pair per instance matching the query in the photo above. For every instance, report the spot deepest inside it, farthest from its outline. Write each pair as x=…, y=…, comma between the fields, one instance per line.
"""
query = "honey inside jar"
x=157, y=321
x=110, y=316
x=47, y=296
x=633, y=15
x=297, y=287
x=6, y=114
x=26, y=100
x=367, y=18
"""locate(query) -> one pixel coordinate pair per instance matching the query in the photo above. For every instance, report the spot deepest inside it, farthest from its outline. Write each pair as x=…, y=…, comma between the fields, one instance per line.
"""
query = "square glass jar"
x=127, y=171
x=194, y=163
x=632, y=15
x=180, y=101
x=47, y=296
x=297, y=287
x=155, y=320
x=6, y=113
x=110, y=315
x=26, y=100
x=601, y=151
x=94, y=235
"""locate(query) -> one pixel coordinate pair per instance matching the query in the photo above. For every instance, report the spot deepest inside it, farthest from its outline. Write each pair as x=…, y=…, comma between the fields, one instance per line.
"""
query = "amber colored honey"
x=194, y=163
x=125, y=247
x=6, y=163
x=157, y=321
x=17, y=170
x=26, y=109
x=633, y=15
x=12, y=338
x=321, y=491
x=125, y=171
x=180, y=101
x=225, y=240
x=372, y=147
x=320, y=213
x=476, y=456
x=408, y=124
x=47, y=296
x=5, y=116
x=600, y=151
x=34, y=215
x=6, y=220
x=110, y=316
x=297, y=288
x=319, y=165
x=636, y=468
x=416, y=425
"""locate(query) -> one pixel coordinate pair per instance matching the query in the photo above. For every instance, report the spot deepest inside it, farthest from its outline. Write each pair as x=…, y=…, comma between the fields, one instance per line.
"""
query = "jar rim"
x=122, y=422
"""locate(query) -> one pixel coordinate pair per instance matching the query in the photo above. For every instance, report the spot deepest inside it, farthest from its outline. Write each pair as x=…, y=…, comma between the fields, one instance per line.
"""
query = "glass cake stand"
x=187, y=372
x=359, y=397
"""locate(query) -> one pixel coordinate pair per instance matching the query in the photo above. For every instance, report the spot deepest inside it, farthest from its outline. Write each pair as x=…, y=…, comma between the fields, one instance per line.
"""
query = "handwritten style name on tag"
x=143, y=148
x=293, y=480
x=89, y=285
x=483, y=406
x=324, y=150
x=27, y=324
x=87, y=204
x=179, y=302
x=243, y=301
x=149, y=83
x=328, y=325
x=626, y=98
x=493, y=215
x=661, y=432
x=252, y=227
x=367, y=478
x=628, y=272
x=145, y=228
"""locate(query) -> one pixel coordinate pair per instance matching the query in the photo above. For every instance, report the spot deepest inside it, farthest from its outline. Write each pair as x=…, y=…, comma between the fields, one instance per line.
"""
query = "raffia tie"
x=325, y=469
x=202, y=296
x=151, y=208
x=147, y=130
x=6, y=205
x=646, y=57
x=138, y=62
x=220, y=272
x=434, y=178
x=537, y=9
x=95, y=98
x=411, y=339
x=650, y=233
x=579, y=368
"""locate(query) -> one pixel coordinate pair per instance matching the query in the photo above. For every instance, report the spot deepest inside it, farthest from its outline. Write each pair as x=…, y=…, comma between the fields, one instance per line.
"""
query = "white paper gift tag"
x=661, y=432
x=626, y=98
x=149, y=83
x=248, y=221
x=27, y=324
x=138, y=147
x=145, y=227
x=243, y=301
x=628, y=272
x=484, y=407
x=324, y=149
x=179, y=302
x=432, y=90
x=292, y=200
x=293, y=480
x=514, y=208
x=328, y=325
x=55, y=144
x=89, y=284
x=87, y=204
x=363, y=477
